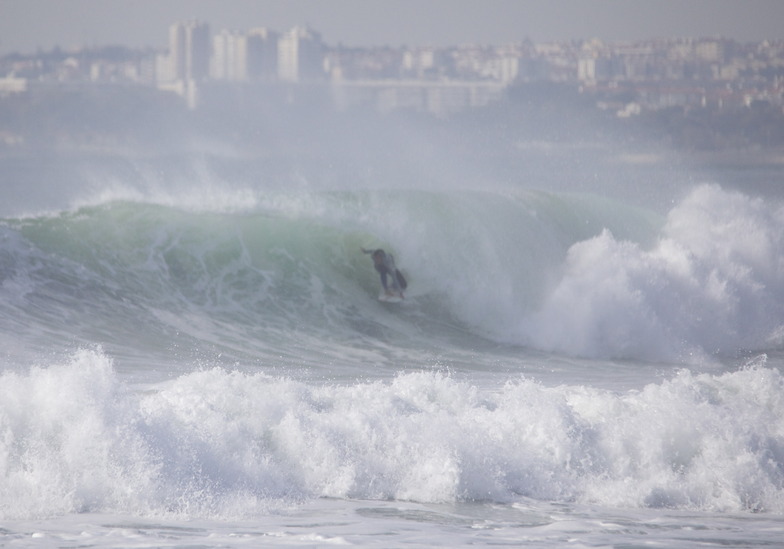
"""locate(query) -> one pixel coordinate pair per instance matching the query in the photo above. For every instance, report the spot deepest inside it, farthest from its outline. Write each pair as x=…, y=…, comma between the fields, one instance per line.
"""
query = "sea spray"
x=713, y=283
x=70, y=443
x=229, y=445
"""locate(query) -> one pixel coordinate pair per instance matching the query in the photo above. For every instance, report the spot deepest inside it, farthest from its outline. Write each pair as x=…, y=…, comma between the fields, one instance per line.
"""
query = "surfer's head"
x=378, y=255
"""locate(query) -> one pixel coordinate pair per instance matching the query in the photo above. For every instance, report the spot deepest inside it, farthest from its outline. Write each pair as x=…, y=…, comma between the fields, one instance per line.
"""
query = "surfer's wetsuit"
x=385, y=265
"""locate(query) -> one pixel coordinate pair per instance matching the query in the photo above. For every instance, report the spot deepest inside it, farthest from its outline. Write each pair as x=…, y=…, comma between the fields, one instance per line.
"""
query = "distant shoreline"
x=728, y=158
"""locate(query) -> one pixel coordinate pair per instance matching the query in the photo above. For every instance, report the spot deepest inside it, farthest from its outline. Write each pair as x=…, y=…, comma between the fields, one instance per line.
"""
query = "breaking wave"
x=230, y=444
x=569, y=273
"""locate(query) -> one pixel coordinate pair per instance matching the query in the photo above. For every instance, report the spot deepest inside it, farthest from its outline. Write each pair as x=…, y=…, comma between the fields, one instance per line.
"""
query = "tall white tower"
x=189, y=51
x=301, y=55
x=229, y=56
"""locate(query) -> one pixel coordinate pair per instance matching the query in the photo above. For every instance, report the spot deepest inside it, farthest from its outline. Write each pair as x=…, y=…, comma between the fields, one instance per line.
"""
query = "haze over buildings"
x=440, y=80
x=261, y=68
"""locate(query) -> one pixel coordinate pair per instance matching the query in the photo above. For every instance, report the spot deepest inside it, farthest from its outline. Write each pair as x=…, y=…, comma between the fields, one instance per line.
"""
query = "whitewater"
x=198, y=358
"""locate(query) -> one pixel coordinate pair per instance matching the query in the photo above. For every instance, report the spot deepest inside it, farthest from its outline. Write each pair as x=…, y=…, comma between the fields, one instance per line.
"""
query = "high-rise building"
x=262, y=54
x=189, y=51
x=229, y=56
x=301, y=56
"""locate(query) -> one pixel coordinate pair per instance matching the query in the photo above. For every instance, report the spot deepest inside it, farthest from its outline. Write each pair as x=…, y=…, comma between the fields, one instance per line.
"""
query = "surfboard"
x=389, y=298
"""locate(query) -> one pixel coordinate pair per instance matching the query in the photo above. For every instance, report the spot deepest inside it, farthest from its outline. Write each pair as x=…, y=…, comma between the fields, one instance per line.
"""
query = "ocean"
x=590, y=352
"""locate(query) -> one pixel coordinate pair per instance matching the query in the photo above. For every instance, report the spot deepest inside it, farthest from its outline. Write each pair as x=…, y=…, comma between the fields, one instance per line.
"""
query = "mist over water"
x=192, y=334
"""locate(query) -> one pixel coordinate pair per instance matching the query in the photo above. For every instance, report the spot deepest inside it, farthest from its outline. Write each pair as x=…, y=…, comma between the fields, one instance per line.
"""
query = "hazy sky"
x=26, y=25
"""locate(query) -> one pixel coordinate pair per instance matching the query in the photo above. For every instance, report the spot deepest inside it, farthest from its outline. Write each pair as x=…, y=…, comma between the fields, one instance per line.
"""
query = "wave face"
x=272, y=273
x=234, y=445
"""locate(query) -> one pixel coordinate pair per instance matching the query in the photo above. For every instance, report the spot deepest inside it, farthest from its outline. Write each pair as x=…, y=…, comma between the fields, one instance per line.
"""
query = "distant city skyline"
x=30, y=25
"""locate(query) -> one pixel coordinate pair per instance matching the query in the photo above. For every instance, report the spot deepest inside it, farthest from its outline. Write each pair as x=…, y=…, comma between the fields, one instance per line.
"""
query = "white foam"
x=232, y=445
x=714, y=282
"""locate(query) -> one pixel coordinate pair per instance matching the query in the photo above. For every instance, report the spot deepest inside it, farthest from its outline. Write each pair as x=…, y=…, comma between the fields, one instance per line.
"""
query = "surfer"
x=391, y=278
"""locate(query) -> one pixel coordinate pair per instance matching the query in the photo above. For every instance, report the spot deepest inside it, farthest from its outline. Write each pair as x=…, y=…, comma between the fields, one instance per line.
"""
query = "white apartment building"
x=239, y=57
x=189, y=51
x=301, y=56
x=229, y=56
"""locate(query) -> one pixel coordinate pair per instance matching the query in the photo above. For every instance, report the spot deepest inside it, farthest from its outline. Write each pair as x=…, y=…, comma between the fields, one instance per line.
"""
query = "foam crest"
x=696, y=441
x=68, y=441
x=714, y=283
x=204, y=197
x=227, y=444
